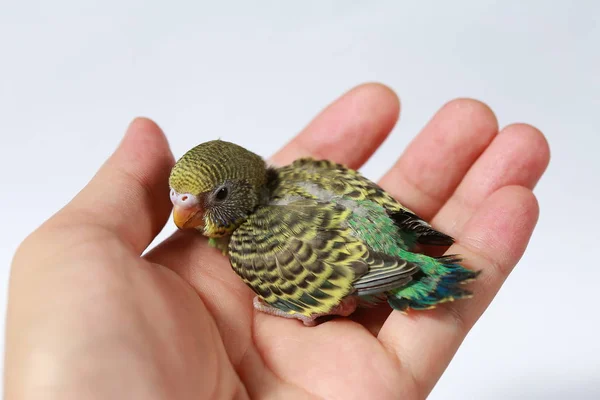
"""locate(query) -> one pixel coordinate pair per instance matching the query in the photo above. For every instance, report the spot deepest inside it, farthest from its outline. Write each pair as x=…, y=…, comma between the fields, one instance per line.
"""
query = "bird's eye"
x=222, y=194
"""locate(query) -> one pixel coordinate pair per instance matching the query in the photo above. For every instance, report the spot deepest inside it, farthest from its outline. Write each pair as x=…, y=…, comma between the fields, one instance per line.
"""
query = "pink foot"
x=344, y=309
x=267, y=309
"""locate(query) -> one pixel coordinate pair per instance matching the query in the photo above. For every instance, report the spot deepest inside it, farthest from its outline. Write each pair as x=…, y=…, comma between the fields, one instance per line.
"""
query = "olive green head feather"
x=215, y=185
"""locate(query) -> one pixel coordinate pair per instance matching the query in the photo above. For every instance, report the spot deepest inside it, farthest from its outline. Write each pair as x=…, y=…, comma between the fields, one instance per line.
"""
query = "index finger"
x=349, y=130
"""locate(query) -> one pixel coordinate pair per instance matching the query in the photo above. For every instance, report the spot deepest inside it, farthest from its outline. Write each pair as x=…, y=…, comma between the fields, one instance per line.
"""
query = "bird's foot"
x=261, y=306
x=344, y=309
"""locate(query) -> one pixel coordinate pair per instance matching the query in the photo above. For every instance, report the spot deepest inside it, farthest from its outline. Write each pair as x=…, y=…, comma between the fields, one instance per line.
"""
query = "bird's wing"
x=303, y=259
x=351, y=184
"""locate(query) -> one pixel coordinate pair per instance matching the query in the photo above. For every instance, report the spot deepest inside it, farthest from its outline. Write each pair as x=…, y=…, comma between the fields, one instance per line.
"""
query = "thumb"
x=129, y=195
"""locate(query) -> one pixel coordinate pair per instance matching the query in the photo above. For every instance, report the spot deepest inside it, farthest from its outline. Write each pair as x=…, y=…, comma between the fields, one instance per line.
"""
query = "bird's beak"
x=188, y=217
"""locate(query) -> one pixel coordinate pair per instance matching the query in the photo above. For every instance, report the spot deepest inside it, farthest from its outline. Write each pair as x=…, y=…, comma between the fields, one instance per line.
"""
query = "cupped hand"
x=88, y=317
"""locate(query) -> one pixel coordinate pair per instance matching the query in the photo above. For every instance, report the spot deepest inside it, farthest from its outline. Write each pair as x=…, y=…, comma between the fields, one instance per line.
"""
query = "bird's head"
x=215, y=186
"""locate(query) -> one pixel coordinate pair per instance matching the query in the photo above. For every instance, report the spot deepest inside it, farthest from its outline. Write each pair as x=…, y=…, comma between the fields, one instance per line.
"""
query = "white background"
x=74, y=73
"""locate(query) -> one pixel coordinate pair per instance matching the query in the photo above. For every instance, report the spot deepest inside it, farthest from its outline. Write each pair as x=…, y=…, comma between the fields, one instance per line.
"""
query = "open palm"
x=178, y=322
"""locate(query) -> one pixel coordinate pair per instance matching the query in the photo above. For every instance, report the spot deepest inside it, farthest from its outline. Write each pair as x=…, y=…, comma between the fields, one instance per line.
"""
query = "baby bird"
x=314, y=238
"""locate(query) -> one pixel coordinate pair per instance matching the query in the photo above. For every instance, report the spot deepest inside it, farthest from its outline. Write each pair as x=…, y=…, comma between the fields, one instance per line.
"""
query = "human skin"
x=88, y=317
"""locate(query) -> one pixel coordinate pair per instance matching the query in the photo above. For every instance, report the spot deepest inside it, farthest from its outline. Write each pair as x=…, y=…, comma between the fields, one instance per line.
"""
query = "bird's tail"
x=441, y=279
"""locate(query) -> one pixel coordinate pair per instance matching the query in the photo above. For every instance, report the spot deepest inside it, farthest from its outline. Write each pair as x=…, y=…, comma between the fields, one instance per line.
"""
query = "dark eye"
x=222, y=194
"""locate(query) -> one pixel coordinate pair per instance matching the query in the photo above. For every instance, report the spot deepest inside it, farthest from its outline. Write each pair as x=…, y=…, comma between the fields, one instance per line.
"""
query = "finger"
x=129, y=196
x=519, y=155
x=349, y=130
x=493, y=240
x=432, y=166
x=437, y=159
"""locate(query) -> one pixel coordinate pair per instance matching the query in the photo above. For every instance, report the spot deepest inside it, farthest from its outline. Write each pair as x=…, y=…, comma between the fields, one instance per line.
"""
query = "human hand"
x=88, y=317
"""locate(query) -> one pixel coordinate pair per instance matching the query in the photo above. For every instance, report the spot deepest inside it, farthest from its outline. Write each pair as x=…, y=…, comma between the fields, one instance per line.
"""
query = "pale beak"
x=188, y=217
x=187, y=210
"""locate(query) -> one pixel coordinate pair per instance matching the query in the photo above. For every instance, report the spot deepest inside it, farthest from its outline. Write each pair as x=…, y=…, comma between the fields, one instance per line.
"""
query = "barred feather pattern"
x=204, y=166
x=327, y=233
x=302, y=258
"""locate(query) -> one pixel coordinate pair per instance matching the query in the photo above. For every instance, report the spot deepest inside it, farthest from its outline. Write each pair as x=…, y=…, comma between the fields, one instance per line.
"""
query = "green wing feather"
x=303, y=258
